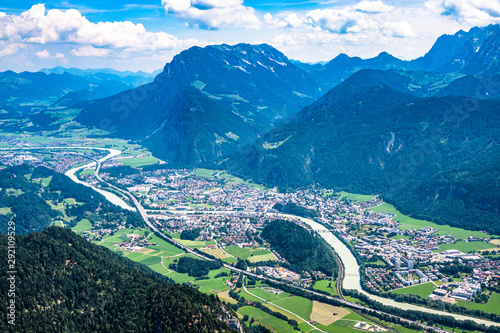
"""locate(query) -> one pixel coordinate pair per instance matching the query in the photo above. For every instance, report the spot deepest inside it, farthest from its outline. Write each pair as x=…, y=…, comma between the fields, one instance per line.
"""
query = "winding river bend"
x=352, y=276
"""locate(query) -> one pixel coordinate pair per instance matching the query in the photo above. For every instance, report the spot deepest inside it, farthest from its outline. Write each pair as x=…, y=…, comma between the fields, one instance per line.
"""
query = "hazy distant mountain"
x=342, y=66
x=98, y=75
x=17, y=89
x=365, y=136
x=468, y=52
x=29, y=92
x=207, y=102
x=475, y=52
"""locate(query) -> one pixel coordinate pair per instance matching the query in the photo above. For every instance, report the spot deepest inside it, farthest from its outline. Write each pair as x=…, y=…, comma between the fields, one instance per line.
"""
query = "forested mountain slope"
x=67, y=284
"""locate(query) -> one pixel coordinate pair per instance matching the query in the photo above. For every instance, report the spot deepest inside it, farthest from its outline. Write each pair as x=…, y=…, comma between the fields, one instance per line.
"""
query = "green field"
x=411, y=223
x=165, y=247
x=83, y=225
x=195, y=243
x=271, y=322
x=262, y=257
x=323, y=285
x=298, y=305
x=58, y=223
x=423, y=290
x=138, y=162
x=356, y=197
x=492, y=306
x=242, y=253
x=267, y=295
x=46, y=181
x=205, y=172
x=466, y=246
x=87, y=172
x=5, y=210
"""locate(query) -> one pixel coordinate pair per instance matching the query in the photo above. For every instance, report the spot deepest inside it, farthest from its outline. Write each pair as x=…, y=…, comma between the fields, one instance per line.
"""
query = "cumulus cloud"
x=373, y=7
x=364, y=16
x=38, y=26
x=90, y=51
x=340, y=20
x=43, y=54
x=471, y=11
x=398, y=29
x=213, y=14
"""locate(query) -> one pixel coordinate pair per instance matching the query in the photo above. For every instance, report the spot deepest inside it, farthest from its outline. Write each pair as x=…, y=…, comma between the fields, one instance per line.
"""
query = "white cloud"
x=38, y=26
x=213, y=14
x=341, y=20
x=90, y=51
x=398, y=29
x=43, y=54
x=7, y=49
x=373, y=7
x=59, y=56
x=474, y=12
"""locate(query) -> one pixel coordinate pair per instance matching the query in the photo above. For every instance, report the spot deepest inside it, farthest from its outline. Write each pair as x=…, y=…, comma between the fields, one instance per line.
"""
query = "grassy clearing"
x=298, y=305
x=268, y=296
x=411, y=223
x=83, y=225
x=195, y=244
x=271, y=322
x=356, y=197
x=217, y=253
x=87, y=172
x=236, y=180
x=164, y=247
x=492, y=306
x=263, y=257
x=205, y=172
x=230, y=260
x=242, y=253
x=138, y=162
x=466, y=246
x=323, y=286
x=46, y=181
x=5, y=210
x=423, y=290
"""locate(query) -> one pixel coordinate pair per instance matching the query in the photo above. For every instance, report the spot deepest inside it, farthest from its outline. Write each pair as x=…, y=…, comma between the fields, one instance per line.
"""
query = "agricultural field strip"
x=268, y=302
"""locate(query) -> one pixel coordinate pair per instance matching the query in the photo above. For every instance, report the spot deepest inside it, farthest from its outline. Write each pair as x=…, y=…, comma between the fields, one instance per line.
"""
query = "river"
x=71, y=173
x=352, y=276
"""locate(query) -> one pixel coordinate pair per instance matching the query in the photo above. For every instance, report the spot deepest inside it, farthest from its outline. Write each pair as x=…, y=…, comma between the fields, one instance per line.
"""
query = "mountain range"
x=207, y=103
x=27, y=92
x=475, y=53
x=418, y=132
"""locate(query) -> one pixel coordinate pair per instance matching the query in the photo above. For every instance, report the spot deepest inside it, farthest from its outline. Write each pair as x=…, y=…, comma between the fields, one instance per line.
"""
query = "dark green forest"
x=195, y=267
x=67, y=284
x=303, y=250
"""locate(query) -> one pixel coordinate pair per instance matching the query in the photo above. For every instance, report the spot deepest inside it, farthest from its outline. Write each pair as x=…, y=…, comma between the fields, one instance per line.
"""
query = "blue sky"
x=132, y=35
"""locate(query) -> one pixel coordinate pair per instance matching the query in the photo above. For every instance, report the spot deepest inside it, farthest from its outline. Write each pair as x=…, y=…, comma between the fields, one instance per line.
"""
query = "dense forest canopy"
x=302, y=249
x=67, y=284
